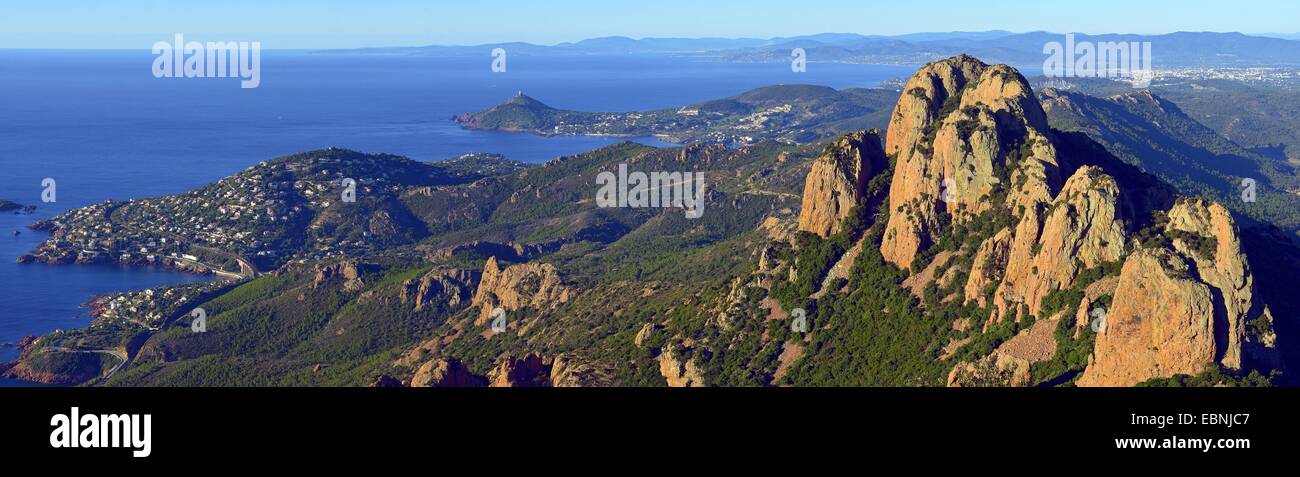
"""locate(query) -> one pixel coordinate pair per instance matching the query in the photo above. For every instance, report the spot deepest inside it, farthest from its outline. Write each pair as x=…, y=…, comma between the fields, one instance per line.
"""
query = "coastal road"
x=115, y=353
x=246, y=267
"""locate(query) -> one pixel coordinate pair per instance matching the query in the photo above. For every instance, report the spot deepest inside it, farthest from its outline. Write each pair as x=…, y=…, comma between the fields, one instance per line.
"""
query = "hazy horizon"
x=265, y=46
x=336, y=24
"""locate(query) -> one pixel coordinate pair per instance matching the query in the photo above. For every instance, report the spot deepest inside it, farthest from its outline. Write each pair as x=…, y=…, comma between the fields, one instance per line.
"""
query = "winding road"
x=121, y=356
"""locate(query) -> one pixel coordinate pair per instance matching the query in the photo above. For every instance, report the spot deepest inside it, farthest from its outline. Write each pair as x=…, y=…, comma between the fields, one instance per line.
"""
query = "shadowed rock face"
x=452, y=287
x=445, y=373
x=527, y=372
x=838, y=181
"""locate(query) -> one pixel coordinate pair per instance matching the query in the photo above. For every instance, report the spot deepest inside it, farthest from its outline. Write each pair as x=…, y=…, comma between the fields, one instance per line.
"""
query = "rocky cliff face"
x=1161, y=324
x=349, y=271
x=963, y=133
x=838, y=181
x=678, y=369
x=452, y=287
x=1180, y=309
x=445, y=373
x=535, y=285
x=1206, y=234
x=527, y=372
x=971, y=141
x=1078, y=230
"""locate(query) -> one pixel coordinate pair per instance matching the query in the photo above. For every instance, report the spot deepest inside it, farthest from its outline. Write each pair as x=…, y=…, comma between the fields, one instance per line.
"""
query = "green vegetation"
x=1071, y=355
x=881, y=337
x=1214, y=376
x=1157, y=135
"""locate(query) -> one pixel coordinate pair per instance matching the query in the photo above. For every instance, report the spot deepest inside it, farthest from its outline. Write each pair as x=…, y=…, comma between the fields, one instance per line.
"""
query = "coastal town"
x=783, y=113
x=152, y=308
x=272, y=212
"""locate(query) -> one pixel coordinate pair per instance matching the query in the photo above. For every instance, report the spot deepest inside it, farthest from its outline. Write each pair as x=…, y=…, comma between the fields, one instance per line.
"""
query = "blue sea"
x=103, y=127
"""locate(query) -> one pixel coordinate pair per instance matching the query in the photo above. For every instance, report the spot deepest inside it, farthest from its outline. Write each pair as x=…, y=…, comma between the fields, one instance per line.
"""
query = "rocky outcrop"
x=779, y=229
x=647, y=332
x=47, y=365
x=1161, y=323
x=451, y=287
x=970, y=141
x=527, y=372
x=569, y=370
x=1081, y=229
x=962, y=133
x=994, y=370
x=987, y=267
x=1185, y=308
x=385, y=381
x=1206, y=234
x=349, y=271
x=838, y=181
x=7, y=206
x=679, y=369
x=445, y=373
x=534, y=285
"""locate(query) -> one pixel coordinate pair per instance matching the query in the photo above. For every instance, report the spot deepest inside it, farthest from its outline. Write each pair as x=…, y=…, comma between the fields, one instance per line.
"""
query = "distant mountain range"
x=1179, y=49
x=1288, y=36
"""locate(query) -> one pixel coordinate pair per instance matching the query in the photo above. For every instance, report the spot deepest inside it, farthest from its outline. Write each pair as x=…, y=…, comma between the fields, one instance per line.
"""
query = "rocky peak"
x=970, y=139
x=923, y=96
x=1002, y=88
x=1207, y=235
x=1080, y=229
x=452, y=287
x=964, y=133
x=445, y=373
x=350, y=271
x=527, y=372
x=838, y=181
x=534, y=285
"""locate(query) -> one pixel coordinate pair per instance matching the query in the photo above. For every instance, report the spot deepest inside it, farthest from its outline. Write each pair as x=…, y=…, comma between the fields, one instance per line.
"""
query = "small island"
x=7, y=206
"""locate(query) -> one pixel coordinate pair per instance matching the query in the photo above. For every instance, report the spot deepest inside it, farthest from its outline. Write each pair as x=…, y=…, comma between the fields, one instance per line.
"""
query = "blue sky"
x=357, y=23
